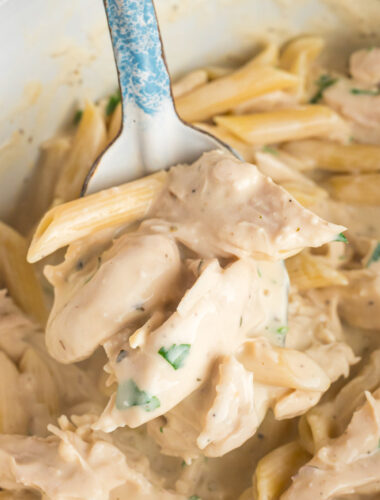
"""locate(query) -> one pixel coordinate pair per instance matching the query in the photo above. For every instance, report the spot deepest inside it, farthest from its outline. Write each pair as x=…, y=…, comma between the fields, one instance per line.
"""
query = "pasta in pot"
x=181, y=358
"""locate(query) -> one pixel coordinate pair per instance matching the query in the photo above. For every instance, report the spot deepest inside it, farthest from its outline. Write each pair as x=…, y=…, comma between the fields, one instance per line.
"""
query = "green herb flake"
x=375, y=255
x=128, y=394
x=78, y=116
x=282, y=330
x=161, y=429
x=194, y=497
x=259, y=274
x=323, y=82
x=183, y=463
x=341, y=238
x=269, y=149
x=113, y=101
x=365, y=92
x=175, y=355
x=378, y=443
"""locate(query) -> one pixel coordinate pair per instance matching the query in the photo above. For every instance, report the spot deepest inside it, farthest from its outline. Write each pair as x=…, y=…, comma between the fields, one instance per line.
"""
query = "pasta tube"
x=89, y=141
x=336, y=157
x=224, y=93
x=358, y=189
x=13, y=418
x=283, y=124
x=282, y=367
x=189, y=82
x=18, y=275
x=308, y=271
x=247, y=151
x=268, y=56
x=115, y=123
x=306, y=194
x=112, y=207
x=45, y=389
x=274, y=471
x=297, y=57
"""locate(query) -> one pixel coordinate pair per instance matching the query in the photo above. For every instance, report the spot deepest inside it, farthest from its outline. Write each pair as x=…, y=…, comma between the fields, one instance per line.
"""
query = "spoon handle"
x=143, y=75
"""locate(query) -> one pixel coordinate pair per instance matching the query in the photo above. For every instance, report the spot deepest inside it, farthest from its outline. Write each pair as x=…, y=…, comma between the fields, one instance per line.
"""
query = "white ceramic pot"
x=55, y=53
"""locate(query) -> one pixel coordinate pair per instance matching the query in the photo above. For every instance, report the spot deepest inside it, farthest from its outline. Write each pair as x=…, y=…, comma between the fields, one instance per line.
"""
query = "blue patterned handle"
x=143, y=76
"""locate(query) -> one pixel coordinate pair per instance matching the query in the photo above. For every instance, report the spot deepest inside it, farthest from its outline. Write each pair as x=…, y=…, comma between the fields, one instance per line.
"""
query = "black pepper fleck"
x=122, y=354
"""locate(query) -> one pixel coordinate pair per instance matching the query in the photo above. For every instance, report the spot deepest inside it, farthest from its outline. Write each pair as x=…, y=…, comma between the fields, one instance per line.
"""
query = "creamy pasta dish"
x=209, y=332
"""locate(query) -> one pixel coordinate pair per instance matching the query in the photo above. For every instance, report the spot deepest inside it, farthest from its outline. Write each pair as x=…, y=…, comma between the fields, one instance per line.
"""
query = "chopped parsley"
x=282, y=330
x=128, y=394
x=161, y=429
x=113, y=101
x=375, y=255
x=194, y=497
x=183, y=463
x=378, y=444
x=365, y=92
x=323, y=82
x=269, y=149
x=259, y=272
x=342, y=238
x=78, y=116
x=175, y=355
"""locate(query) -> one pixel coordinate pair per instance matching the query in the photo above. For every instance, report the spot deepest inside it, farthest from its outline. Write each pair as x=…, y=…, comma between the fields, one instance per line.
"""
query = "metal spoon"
x=152, y=136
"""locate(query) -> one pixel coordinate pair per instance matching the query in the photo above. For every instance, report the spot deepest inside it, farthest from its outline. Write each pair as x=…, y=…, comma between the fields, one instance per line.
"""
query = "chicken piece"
x=137, y=274
x=349, y=463
x=63, y=466
x=359, y=305
x=335, y=359
x=358, y=104
x=211, y=320
x=313, y=316
x=263, y=220
x=34, y=388
x=72, y=463
x=217, y=418
x=365, y=65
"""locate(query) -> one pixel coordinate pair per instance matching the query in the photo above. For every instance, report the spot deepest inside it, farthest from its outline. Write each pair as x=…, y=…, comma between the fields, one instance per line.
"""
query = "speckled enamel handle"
x=143, y=75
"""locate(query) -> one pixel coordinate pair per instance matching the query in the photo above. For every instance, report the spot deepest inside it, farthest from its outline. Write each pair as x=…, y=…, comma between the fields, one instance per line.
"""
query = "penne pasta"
x=247, y=151
x=282, y=367
x=268, y=56
x=66, y=223
x=115, y=124
x=19, y=276
x=284, y=124
x=89, y=141
x=224, y=93
x=39, y=196
x=358, y=189
x=189, y=82
x=328, y=420
x=13, y=417
x=306, y=194
x=308, y=271
x=336, y=157
x=297, y=57
x=274, y=471
x=46, y=391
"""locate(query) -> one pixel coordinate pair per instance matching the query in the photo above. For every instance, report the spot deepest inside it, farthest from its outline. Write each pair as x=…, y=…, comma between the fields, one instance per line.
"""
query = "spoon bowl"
x=152, y=136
